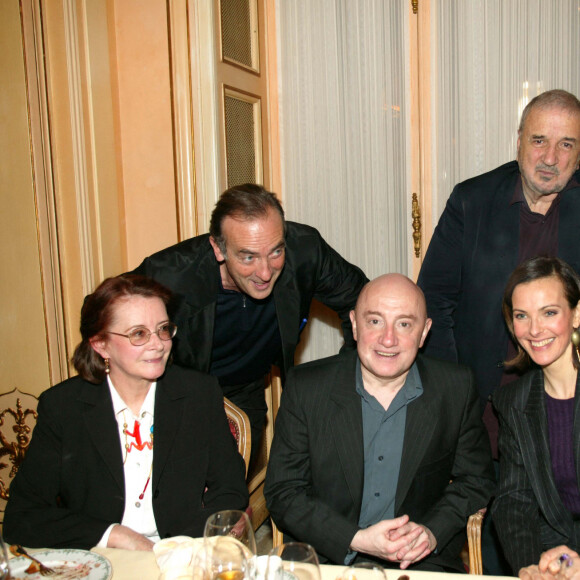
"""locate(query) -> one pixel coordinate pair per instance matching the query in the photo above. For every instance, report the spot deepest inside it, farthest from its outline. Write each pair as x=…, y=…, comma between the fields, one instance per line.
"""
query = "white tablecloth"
x=129, y=565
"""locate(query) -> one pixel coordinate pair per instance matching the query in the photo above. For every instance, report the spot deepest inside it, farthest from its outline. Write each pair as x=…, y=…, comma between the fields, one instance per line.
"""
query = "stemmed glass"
x=233, y=523
x=297, y=559
x=224, y=558
x=4, y=569
x=364, y=571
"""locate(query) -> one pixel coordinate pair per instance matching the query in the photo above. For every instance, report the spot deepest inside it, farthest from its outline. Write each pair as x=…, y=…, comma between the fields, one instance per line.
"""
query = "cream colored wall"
x=145, y=126
x=111, y=127
x=106, y=157
x=23, y=347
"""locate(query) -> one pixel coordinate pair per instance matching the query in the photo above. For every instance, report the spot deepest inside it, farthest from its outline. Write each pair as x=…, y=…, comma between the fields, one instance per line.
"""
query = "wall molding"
x=78, y=141
x=43, y=183
x=195, y=119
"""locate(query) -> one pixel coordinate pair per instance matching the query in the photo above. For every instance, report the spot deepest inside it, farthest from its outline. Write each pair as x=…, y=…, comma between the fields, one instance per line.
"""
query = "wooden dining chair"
x=257, y=473
x=240, y=428
x=474, y=524
x=17, y=421
x=274, y=401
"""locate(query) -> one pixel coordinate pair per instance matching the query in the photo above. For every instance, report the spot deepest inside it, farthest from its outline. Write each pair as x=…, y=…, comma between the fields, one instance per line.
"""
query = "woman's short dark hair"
x=97, y=314
x=528, y=271
x=244, y=202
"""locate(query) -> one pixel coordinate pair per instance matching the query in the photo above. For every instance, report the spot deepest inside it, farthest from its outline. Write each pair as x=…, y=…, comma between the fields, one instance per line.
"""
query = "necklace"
x=138, y=444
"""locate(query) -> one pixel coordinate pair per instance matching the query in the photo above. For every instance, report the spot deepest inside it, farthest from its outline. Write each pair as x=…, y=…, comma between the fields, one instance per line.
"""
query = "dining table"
x=138, y=565
x=129, y=565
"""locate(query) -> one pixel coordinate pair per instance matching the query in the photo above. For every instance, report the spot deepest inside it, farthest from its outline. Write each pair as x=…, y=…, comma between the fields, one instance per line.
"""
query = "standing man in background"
x=493, y=222
x=242, y=293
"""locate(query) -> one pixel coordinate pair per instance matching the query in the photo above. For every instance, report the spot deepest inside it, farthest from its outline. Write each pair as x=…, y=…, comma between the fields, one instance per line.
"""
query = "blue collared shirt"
x=384, y=432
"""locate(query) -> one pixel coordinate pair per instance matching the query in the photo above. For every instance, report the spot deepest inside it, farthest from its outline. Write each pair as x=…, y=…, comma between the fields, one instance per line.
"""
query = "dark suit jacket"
x=528, y=512
x=314, y=482
x=70, y=487
x=312, y=270
x=473, y=251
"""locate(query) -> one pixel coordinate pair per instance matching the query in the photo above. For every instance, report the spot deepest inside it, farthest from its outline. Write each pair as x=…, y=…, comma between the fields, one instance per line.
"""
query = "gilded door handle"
x=416, y=215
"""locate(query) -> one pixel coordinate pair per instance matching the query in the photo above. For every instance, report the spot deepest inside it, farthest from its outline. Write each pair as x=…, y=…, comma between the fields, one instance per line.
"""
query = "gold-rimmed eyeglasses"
x=141, y=335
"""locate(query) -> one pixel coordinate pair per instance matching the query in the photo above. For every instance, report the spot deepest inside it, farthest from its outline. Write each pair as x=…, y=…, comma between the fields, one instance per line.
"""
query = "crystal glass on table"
x=233, y=523
x=364, y=571
x=223, y=558
x=4, y=569
x=293, y=561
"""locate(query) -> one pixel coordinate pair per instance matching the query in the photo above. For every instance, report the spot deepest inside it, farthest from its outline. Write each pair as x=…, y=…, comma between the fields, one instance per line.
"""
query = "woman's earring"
x=575, y=338
x=108, y=368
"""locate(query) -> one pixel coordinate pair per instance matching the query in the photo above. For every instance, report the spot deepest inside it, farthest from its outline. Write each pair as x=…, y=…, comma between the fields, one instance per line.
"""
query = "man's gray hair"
x=556, y=98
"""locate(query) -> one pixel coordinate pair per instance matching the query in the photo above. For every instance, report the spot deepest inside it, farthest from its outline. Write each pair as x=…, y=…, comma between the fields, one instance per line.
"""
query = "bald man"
x=381, y=454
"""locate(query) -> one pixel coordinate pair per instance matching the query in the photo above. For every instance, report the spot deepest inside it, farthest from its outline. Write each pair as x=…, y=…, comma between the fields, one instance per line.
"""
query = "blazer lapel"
x=568, y=226
x=168, y=417
x=422, y=417
x=103, y=429
x=535, y=444
x=347, y=428
x=503, y=237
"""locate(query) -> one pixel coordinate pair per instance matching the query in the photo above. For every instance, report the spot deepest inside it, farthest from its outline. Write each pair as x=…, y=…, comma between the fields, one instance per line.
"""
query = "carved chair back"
x=240, y=428
x=17, y=420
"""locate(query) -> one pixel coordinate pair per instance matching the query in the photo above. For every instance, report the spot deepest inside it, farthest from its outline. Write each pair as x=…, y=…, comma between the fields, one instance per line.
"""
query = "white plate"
x=73, y=563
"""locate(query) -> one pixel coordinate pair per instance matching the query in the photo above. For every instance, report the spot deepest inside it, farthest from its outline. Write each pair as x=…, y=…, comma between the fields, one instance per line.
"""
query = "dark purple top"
x=560, y=414
x=538, y=233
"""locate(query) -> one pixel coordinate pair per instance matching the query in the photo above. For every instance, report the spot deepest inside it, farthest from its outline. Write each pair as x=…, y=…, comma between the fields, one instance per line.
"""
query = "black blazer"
x=528, y=512
x=472, y=253
x=70, y=486
x=312, y=270
x=314, y=482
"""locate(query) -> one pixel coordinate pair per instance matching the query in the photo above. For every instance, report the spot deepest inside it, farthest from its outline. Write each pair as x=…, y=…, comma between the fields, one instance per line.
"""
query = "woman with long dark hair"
x=537, y=506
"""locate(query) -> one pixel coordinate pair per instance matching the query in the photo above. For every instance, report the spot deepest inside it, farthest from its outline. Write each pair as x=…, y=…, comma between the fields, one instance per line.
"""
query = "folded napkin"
x=175, y=556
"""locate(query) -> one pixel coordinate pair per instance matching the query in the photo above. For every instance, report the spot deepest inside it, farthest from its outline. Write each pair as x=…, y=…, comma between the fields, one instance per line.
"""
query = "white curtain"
x=344, y=126
x=490, y=57
x=344, y=94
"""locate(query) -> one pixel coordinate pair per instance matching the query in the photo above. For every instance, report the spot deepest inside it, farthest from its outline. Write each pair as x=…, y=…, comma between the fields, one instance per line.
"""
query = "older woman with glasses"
x=537, y=506
x=131, y=450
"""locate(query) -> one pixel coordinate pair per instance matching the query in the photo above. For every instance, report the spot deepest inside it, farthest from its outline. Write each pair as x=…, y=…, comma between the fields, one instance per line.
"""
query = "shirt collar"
x=412, y=388
x=519, y=197
x=119, y=405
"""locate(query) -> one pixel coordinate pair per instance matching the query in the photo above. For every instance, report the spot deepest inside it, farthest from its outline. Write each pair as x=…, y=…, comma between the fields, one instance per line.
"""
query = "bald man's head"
x=389, y=324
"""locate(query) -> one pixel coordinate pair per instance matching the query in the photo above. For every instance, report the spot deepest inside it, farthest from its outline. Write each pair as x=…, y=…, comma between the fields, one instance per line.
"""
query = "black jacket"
x=70, y=486
x=315, y=478
x=528, y=512
x=312, y=270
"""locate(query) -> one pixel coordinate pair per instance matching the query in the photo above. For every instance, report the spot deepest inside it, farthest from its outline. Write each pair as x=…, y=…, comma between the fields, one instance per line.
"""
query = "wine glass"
x=4, y=568
x=226, y=559
x=364, y=571
x=234, y=523
x=295, y=558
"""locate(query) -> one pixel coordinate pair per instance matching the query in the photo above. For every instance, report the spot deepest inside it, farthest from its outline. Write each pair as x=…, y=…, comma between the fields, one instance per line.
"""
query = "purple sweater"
x=560, y=414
